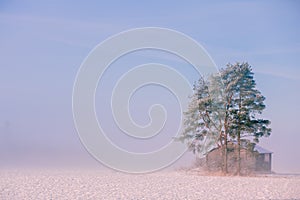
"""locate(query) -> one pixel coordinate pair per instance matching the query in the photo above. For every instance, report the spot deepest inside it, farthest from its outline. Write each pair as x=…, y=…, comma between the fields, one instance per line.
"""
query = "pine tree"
x=246, y=103
x=202, y=120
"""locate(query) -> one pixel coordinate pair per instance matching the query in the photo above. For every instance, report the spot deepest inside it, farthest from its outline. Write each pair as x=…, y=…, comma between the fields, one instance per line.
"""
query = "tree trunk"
x=239, y=137
x=226, y=139
x=239, y=153
x=225, y=156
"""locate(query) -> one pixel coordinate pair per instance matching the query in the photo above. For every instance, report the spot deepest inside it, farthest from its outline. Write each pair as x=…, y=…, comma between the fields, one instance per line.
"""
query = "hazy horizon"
x=44, y=43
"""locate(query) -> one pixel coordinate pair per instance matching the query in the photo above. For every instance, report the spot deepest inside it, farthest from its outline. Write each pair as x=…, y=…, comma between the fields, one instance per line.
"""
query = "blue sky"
x=42, y=44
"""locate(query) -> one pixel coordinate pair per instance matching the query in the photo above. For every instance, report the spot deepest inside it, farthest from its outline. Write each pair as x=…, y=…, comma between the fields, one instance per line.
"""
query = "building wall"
x=250, y=161
x=263, y=162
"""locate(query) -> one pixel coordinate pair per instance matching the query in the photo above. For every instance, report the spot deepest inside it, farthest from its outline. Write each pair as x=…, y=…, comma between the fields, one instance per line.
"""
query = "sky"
x=43, y=43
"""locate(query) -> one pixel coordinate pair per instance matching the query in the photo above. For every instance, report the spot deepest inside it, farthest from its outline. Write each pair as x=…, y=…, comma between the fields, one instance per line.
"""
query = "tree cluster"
x=225, y=108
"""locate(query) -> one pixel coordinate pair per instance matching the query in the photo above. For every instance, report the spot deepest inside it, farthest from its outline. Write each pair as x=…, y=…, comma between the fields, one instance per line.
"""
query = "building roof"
x=259, y=149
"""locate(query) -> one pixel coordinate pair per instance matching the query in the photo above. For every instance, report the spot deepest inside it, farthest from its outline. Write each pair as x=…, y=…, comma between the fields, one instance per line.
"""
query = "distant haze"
x=43, y=44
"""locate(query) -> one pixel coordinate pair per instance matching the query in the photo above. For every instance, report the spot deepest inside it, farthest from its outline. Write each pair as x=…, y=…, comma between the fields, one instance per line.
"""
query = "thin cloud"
x=47, y=28
x=281, y=74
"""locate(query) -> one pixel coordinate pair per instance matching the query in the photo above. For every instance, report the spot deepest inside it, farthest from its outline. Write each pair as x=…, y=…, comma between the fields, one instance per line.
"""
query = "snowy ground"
x=93, y=184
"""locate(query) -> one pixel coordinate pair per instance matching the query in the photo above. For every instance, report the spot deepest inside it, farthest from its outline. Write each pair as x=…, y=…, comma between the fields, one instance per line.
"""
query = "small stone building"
x=255, y=159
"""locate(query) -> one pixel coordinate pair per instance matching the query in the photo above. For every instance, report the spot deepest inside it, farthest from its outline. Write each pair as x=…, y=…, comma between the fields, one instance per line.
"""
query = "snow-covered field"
x=93, y=184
